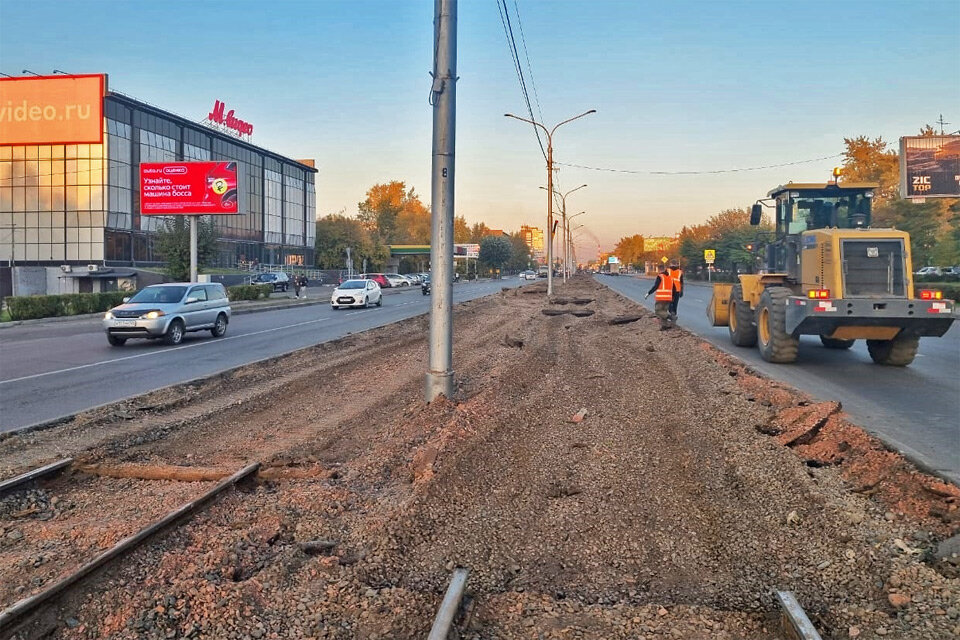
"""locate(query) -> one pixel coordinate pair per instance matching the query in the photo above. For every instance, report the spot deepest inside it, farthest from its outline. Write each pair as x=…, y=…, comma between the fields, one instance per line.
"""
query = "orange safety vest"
x=665, y=290
x=676, y=274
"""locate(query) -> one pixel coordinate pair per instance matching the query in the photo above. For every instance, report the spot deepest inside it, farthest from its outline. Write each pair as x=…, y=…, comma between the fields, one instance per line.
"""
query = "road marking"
x=157, y=353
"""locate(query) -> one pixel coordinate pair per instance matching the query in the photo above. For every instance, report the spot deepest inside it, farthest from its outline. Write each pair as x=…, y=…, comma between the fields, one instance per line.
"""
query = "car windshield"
x=354, y=284
x=160, y=295
x=265, y=277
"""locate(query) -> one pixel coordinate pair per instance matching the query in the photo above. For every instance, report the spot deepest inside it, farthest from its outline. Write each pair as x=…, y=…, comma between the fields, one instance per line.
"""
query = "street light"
x=549, y=133
x=563, y=223
x=568, y=247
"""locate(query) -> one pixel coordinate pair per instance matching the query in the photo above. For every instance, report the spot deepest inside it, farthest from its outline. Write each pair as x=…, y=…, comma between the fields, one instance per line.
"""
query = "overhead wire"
x=504, y=11
x=526, y=54
x=696, y=173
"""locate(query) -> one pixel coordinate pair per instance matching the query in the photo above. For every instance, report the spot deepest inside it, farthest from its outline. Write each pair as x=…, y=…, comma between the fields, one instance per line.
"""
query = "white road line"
x=158, y=353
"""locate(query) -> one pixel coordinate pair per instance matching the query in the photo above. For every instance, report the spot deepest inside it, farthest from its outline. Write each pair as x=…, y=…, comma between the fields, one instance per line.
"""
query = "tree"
x=394, y=214
x=495, y=251
x=520, y=255
x=630, y=250
x=172, y=243
x=461, y=230
x=866, y=160
x=478, y=232
x=337, y=232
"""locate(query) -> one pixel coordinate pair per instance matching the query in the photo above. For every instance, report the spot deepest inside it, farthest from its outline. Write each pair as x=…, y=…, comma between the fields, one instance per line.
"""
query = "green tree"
x=172, y=243
x=478, y=232
x=337, y=232
x=495, y=251
x=520, y=255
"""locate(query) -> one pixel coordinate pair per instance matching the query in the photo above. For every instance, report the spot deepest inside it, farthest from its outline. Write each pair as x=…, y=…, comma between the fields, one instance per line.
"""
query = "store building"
x=65, y=204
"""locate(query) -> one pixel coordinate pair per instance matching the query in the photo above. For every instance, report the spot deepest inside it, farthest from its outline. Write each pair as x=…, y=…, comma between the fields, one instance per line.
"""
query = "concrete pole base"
x=438, y=384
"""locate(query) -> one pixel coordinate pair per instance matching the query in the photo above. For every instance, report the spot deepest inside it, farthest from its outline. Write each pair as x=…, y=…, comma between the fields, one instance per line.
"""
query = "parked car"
x=279, y=280
x=356, y=293
x=168, y=311
x=929, y=271
x=397, y=280
x=379, y=278
x=414, y=278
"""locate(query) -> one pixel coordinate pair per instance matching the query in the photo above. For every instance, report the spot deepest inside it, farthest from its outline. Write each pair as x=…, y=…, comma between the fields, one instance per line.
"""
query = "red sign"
x=228, y=120
x=188, y=188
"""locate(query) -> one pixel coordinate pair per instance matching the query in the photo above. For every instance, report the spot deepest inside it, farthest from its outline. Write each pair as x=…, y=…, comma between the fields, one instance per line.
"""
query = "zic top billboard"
x=52, y=110
x=930, y=167
x=188, y=188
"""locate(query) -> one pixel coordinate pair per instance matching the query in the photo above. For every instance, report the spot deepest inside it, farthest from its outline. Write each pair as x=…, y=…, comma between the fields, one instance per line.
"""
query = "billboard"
x=52, y=110
x=188, y=188
x=930, y=167
x=466, y=251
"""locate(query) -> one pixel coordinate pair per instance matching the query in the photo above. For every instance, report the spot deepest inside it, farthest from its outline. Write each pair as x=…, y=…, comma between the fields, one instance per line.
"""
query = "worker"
x=663, y=298
x=676, y=273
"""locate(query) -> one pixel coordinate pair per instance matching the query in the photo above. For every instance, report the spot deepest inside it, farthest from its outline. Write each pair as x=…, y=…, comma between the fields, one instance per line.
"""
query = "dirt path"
x=665, y=513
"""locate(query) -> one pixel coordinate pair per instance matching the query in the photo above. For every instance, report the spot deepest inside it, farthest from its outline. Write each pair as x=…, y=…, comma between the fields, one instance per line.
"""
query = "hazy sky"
x=677, y=86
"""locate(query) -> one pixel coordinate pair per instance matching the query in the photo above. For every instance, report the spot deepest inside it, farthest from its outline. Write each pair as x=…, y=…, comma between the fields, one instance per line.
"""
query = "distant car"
x=168, y=311
x=279, y=280
x=951, y=271
x=543, y=272
x=414, y=278
x=379, y=278
x=529, y=274
x=929, y=271
x=397, y=280
x=356, y=293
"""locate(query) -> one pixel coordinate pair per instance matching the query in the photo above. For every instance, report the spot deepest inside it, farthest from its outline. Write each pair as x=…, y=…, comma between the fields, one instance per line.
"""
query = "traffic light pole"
x=443, y=97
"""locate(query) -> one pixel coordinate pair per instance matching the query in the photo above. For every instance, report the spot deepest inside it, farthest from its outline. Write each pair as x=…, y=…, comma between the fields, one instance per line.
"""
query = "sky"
x=678, y=86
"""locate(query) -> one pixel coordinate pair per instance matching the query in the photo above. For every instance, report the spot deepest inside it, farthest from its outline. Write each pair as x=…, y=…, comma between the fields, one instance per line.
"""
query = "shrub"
x=249, y=291
x=68, y=304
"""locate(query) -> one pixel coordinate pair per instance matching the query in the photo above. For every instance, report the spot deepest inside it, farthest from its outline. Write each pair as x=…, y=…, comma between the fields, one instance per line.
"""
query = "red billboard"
x=188, y=188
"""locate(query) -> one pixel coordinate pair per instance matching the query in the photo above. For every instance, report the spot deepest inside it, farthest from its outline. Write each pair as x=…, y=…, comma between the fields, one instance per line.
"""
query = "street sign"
x=709, y=255
x=663, y=259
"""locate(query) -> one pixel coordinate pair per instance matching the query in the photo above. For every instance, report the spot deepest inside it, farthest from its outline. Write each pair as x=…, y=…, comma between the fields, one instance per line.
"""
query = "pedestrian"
x=663, y=286
x=676, y=274
x=296, y=286
x=303, y=285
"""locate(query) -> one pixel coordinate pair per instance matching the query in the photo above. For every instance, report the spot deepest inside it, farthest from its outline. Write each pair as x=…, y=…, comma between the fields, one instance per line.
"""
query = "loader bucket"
x=718, y=311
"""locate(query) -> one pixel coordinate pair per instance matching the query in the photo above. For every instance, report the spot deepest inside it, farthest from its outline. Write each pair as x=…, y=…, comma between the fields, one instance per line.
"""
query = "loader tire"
x=834, y=343
x=743, y=332
x=898, y=352
x=776, y=345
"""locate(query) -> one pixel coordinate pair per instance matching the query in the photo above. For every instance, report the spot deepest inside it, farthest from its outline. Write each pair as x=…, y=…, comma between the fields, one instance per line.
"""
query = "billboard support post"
x=193, y=248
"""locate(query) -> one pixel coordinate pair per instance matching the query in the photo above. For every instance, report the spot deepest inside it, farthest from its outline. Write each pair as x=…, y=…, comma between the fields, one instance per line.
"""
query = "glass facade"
x=80, y=203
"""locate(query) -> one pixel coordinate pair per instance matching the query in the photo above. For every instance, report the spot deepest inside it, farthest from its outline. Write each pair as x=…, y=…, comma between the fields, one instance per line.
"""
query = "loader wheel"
x=776, y=345
x=834, y=343
x=898, y=352
x=743, y=332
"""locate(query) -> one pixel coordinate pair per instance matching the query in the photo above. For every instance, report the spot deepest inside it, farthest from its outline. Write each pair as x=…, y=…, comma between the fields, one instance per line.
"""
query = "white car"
x=397, y=280
x=529, y=274
x=929, y=271
x=356, y=293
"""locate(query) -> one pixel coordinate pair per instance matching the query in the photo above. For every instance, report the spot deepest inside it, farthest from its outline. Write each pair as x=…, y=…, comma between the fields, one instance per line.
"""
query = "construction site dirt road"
x=599, y=478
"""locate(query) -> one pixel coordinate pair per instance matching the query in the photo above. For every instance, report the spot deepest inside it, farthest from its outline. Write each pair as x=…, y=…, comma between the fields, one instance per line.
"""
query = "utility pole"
x=193, y=248
x=443, y=97
x=941, y=123
x=549, y=239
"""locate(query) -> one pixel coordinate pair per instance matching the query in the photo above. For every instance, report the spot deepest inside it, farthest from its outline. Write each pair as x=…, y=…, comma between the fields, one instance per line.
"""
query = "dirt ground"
x=599, y=481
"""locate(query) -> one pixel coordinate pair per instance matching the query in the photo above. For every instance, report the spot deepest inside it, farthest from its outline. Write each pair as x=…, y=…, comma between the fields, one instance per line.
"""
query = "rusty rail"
x=796, y=624
x=11, y=484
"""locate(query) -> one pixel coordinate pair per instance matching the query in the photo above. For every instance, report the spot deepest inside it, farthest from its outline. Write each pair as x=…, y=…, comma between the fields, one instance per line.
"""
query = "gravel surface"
x=599, y=480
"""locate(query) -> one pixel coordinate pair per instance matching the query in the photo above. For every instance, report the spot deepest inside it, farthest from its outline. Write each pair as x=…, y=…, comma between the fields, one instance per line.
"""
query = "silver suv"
x=167, y=311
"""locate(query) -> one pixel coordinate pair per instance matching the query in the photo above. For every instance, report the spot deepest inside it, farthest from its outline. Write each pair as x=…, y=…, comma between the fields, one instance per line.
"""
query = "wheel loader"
x=828, y=273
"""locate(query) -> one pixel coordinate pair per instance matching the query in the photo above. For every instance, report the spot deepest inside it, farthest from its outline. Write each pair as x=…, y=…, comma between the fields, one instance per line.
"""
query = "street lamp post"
x=563, y=224
x=549, y=133
x=568, y=247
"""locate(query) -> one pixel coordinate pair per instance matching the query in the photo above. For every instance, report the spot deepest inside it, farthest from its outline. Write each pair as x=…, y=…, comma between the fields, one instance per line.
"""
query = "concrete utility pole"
x=549, y=240
x=443, y=97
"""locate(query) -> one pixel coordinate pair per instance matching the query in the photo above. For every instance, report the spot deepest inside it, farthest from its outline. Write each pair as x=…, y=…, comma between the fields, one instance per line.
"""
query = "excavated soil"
x=599, y=481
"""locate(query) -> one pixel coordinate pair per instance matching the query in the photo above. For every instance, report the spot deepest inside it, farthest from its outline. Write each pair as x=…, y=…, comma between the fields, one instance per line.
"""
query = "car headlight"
x=153, y=315
x=108, y=316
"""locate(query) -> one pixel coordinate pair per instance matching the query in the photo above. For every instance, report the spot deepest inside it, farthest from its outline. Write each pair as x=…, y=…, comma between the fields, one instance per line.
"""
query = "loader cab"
x=804, y=207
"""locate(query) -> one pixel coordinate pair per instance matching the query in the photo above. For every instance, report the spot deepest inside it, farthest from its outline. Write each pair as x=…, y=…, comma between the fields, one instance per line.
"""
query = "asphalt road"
x=52, y=370
x=914, y=409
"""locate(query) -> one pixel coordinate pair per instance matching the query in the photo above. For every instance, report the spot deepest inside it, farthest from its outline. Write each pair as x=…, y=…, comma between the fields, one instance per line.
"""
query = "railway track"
x=19, y=620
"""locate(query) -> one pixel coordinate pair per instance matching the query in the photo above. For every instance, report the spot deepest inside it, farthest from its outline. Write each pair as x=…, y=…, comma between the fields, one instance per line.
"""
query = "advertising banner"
x=930, y=167
x=466, y=250
x=188, y=188
x=41, y=110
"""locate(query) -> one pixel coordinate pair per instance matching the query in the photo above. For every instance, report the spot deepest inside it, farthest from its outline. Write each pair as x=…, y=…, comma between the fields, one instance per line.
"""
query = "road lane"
x=915, y=409
x=47, y=377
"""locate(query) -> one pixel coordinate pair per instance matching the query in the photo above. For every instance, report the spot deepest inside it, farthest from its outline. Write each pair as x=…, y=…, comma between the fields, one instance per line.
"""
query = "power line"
x=695, y=173
x=526, y=53
x=518, y=67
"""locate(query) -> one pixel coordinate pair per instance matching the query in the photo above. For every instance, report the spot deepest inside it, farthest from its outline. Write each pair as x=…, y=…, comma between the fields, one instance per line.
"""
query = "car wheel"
x=380, y=301
x=220, y=326
x=116, y=341
x=174, y=334
x=335, y=307
x=366, y=302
